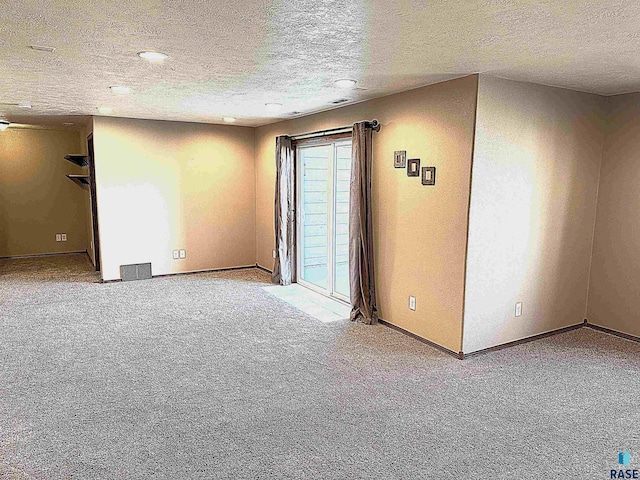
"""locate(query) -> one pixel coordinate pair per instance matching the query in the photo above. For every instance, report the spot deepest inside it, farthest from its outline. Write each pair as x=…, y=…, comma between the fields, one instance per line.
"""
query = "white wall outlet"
x=176, y=254
x=518, y=309
x=273, y=253
x=64, y=237
x=183, y=254
x=58, y=237
x=412, y=303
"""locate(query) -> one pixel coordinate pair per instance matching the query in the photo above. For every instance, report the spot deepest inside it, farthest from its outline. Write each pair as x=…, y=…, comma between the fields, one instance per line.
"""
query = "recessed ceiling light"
x=24, y=105
x=3, y=125
x=273, y=107
x=153, y=56
x=119, y=89
x=229, y=119
x=105, y=110
x=345, y=83
x=41, y=48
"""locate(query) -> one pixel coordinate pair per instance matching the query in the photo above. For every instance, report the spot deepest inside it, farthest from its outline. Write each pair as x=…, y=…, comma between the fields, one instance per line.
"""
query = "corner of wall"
x=255, y=191
x=524, y=221
x=466, y=250
x=606, y=106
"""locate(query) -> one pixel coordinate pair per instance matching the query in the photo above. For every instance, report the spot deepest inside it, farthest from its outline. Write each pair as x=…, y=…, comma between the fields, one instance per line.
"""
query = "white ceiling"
x=229, y=58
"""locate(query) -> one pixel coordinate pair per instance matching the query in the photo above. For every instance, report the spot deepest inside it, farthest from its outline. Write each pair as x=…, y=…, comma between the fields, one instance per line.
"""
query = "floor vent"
x=139, y=271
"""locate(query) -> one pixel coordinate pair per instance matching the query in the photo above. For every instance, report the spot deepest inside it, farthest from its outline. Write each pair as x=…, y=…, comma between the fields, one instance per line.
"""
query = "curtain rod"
x=374, y=124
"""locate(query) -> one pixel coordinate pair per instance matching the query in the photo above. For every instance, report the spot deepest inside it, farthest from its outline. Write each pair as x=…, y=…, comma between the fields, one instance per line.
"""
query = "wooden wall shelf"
x=82, y=180
x=80, y=160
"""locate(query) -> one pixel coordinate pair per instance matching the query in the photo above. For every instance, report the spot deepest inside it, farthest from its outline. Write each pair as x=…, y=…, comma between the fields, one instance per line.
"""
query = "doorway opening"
x=94, y=202
x=323, y=184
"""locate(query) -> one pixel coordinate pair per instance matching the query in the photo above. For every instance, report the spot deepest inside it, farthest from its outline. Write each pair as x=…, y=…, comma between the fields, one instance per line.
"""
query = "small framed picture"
x=428, y=175
x=400, y=158
x=413, y=167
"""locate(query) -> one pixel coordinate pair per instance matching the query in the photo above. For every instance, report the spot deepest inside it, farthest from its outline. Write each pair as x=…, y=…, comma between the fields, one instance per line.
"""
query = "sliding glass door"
x=324, y=173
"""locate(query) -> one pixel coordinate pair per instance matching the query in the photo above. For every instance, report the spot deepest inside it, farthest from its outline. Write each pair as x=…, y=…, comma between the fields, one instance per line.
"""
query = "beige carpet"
x=209, y=376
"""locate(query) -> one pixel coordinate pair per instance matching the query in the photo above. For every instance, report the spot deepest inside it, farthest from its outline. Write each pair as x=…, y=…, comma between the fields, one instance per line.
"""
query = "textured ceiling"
x=230, y=58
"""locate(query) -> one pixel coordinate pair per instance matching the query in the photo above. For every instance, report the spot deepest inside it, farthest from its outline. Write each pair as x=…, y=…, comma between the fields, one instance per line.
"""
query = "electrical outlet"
x=58, y=237
x=183, y=254
x=91, y=243
x=64, y=237
x=273, y=253
x=412, y=303
x=176, y=255
x=518, y=309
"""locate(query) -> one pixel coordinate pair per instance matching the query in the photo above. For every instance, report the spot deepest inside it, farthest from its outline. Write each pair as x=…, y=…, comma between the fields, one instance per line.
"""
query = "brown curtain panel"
x=361, y=269
x=285, y=262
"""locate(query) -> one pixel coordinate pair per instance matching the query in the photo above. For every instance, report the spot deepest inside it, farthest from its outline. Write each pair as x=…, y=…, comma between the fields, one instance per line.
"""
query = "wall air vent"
x=139, y=271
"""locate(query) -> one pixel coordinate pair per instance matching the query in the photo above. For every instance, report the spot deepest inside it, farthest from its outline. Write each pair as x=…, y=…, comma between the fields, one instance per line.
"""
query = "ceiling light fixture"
x=4, y=125
x=41, y=48
x=273, y=107
x=345, y=83
x=120, y=90
x=153, y=56
x=105, y=110
x=24, y=105
x=229, y=119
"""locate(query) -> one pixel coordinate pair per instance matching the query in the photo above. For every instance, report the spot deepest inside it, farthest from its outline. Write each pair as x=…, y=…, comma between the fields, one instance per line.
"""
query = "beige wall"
x=535, y=177
x=615, y=272
x=36, y=199
x=167, y=185
x=420, y=232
